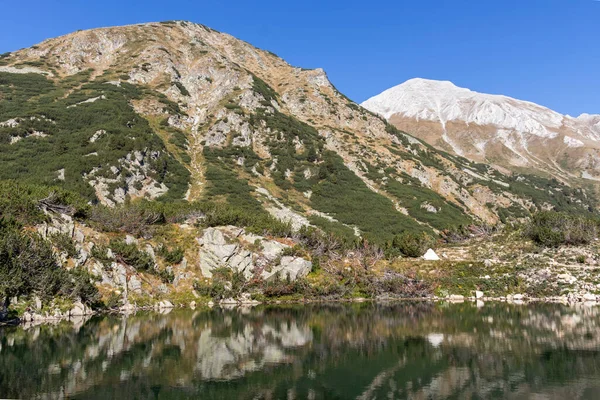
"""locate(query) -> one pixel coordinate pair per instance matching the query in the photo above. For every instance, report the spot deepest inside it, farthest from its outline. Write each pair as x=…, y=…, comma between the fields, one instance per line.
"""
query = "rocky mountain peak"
x=490, y=128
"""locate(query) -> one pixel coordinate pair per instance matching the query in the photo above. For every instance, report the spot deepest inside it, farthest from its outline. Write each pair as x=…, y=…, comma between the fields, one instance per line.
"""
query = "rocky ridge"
x=511, y=134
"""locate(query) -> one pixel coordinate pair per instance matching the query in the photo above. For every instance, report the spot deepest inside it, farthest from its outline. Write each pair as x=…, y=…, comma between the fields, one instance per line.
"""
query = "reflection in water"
x=358, y=351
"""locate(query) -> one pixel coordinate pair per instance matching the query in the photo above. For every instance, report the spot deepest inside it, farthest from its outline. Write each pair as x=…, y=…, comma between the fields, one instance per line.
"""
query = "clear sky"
x=545, y=51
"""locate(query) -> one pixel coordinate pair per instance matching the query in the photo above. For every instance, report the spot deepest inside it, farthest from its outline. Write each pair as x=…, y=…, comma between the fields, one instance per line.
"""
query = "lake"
x=414, y=350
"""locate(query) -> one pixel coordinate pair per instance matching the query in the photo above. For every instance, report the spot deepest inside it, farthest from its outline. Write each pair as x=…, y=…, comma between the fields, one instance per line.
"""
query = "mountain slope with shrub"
x=177, y=110
x=172, y=161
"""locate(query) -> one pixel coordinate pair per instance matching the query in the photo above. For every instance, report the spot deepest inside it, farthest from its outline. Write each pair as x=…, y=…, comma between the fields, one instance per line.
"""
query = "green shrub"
x=166, y=276
x=277, y=287
x=225, y=283
x=28, y=266
x=24, y=202
x=552, y=229
x=171, y=256
x=100, y=253
x=135, y=219
x=182, y=88
x=131, y=255
x=64, y=243
x=412, y=244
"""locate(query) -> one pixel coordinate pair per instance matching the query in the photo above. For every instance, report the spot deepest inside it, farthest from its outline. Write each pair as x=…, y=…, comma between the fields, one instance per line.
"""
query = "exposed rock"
x=81, y=258
x=478, y=294
x=290, y=267
x=164, y=304
x=216, y=252
x=127, y=308
x=79, y=309
x=150, y=250
x=134, y=284
x=567, y=278
x=78, y=236
x=589, y=297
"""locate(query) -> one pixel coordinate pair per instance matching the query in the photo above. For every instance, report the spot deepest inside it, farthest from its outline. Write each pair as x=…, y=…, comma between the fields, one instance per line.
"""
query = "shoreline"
x=165, y=307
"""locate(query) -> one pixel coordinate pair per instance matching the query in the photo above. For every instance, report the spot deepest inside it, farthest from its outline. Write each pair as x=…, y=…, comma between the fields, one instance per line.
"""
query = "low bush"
x=64, y=244
x=553, y=229
x=130, y=254
x=28, y=266
x=225, y=283
x=412, y=244
x=174, y=256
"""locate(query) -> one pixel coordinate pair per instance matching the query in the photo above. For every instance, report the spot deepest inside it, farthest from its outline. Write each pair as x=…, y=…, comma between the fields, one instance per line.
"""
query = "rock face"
x=494, y=129
x=228, y=247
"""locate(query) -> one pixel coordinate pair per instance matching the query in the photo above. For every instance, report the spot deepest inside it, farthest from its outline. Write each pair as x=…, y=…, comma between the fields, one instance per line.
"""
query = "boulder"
x=567, y=278
x=242, y=262
x=290, y=267
x=589, y=297
x=272, y=249
x=164, y=304
x=127, y=308
x=214, y=252
x=119, y=274
x=81, y=258
x=431, y=256
x=150, y=250
x=456, y=297
x=79, y=309
x=27, y=317
x=134, y=284
x=246, y=298
x=478, y=294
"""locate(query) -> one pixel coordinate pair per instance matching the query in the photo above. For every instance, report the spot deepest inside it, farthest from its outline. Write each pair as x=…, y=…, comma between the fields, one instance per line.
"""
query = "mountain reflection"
x=357, y=351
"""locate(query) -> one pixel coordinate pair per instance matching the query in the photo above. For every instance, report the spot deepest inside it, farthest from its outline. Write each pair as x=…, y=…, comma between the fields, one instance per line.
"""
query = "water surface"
x=352, y=351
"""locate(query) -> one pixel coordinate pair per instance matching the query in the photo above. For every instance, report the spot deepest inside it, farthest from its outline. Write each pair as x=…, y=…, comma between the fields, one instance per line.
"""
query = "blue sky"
x=546, y=51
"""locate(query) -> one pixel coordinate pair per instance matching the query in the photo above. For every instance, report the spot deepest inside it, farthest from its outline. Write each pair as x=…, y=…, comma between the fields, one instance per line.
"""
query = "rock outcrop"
x=228, y=247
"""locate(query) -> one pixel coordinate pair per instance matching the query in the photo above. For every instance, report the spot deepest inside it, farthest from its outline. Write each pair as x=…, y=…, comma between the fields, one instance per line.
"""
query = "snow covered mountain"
x=508, y=133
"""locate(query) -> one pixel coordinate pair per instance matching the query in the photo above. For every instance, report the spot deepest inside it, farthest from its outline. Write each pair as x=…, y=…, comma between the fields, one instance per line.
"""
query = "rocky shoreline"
x=81, y=312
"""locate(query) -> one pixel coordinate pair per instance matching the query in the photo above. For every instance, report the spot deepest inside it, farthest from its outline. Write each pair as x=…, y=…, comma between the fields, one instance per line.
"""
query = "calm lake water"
x=354, y=351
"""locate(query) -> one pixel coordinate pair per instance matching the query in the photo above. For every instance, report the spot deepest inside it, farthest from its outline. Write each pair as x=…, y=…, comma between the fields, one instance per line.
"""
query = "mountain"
x=178, y=111
x=513, y=135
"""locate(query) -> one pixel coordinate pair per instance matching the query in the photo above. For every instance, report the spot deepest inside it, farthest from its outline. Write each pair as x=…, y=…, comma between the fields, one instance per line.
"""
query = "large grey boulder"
x=245, y=252
x=290, y=267
x=79, y=309
x=215, y=252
